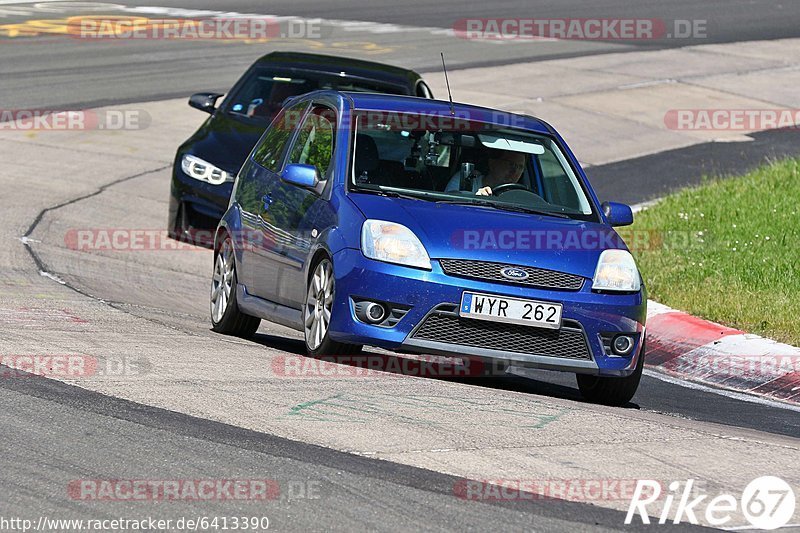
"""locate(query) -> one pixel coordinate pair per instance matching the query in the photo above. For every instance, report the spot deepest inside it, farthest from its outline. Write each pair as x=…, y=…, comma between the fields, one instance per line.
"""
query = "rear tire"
x=610, y=390
x=226, y=317
x=317, y=313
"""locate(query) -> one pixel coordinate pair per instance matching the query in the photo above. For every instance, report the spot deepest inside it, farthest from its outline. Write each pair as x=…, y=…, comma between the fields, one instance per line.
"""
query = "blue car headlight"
x=393, y=243
x=616, y=271
x=202, y=170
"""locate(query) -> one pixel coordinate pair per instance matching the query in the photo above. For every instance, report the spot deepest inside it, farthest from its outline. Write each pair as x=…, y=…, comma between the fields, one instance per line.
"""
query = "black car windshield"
x=454, y=160
x=263, y=92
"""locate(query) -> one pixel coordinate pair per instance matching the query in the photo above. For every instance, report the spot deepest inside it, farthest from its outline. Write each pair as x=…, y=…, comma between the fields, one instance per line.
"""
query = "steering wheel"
x=505, y=187
x=518, y=193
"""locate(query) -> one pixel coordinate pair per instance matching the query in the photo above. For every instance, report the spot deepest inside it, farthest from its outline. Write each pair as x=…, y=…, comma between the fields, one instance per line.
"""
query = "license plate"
x=510, y=310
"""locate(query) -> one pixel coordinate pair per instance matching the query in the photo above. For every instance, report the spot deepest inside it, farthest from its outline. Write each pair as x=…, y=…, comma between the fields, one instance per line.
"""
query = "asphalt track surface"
x=56, y=432
x=329, y=490
x=51, y=70
x=729, y=20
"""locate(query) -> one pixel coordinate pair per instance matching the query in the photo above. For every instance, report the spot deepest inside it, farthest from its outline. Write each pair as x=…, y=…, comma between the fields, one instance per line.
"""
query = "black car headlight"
x=202, y=170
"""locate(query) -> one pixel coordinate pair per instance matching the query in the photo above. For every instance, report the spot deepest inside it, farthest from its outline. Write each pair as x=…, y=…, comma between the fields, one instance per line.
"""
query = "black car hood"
x=225, y=141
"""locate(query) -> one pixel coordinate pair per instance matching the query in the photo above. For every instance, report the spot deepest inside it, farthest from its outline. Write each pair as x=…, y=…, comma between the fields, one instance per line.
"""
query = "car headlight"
x=393, y=243
x=616, y=271
x=203, y=170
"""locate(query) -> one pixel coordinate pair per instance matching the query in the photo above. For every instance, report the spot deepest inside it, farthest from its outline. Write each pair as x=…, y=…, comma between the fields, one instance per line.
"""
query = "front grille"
x=569, y=342
x=537, y=277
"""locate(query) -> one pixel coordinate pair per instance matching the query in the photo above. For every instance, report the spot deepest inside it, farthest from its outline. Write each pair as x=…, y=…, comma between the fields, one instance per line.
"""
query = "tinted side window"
x=314, y=144
x=271, y=146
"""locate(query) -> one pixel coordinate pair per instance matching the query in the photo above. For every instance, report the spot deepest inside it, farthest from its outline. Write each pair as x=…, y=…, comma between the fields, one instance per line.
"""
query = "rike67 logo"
x=767, y=502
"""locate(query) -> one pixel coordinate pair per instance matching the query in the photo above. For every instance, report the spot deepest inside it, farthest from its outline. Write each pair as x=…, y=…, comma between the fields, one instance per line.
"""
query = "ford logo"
x=517, y=274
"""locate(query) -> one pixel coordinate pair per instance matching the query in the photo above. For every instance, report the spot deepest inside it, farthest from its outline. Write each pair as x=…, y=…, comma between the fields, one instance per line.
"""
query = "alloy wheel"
x=319, y=301
x=222, y=281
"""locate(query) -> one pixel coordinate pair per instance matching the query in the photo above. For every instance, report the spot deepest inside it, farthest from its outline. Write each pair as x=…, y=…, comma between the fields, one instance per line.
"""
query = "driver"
x=506, y=166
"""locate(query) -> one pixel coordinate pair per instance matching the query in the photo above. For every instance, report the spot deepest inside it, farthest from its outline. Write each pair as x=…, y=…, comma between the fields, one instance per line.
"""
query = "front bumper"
x=196, y=204
x=434, y=292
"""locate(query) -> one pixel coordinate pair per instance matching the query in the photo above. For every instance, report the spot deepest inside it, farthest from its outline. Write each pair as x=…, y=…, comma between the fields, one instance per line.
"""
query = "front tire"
x=317, y=312
x=610, y=390
x=225, y=314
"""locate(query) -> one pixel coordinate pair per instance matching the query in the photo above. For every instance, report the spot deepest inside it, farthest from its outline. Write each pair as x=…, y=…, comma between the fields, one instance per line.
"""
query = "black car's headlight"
x=196, y=168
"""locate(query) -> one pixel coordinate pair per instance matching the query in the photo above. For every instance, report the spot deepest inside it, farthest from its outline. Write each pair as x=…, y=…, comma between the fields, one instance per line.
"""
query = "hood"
x=486, y=234
x=226, y=142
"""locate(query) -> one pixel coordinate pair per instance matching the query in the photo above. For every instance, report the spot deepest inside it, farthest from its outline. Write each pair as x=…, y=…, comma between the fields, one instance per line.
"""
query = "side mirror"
x=618, y=214
x=305, y=176
x=204, y=101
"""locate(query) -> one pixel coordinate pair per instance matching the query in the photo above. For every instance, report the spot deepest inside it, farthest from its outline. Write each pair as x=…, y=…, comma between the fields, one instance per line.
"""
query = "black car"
x=206, y=164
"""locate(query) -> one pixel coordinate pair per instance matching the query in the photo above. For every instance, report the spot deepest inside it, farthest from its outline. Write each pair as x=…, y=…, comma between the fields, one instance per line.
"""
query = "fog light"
x=622, y=345
x=375, y=312
x=370, y=312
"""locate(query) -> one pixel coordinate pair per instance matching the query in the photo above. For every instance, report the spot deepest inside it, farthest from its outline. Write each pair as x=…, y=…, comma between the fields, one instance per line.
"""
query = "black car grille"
x=537, y=277
x=569, y=342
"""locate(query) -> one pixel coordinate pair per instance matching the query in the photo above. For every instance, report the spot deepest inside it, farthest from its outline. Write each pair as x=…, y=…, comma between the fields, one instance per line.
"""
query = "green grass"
x=728, y=251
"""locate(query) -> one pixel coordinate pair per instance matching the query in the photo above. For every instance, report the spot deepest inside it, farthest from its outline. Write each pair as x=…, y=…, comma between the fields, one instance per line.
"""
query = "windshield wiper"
x=390, y=194
x=506, y=207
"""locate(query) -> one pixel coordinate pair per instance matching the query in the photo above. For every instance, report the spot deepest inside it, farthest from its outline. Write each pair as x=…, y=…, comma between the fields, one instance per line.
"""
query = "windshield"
x=447, y=159
x=263, y=92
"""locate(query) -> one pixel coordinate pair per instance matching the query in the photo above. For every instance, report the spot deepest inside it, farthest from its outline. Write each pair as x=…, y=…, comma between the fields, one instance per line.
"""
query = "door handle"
x=267, y=199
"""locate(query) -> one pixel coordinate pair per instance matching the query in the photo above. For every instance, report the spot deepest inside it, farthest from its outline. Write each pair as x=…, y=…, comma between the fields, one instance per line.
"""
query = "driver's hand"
x=484, y=191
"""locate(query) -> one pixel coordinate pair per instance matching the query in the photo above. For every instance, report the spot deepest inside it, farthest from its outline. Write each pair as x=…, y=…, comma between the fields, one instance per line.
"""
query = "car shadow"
x=474, y=372
x=543, y=387
x=286, y=344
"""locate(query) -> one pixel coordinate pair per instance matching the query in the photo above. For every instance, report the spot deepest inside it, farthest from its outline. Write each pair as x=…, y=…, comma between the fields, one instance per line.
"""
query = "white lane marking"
x=752, y=361
x=721, y=392
x=21, y=2
x=746, y=345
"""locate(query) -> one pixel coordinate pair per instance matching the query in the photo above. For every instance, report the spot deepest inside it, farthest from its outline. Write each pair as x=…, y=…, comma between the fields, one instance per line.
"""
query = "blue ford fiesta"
x=434, y=228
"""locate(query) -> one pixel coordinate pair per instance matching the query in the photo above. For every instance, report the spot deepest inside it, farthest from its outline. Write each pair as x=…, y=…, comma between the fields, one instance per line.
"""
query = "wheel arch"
x=317, y=254
x=228, y=225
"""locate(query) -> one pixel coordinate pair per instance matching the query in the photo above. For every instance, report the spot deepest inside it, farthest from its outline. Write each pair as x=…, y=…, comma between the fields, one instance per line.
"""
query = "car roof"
x=357, y=68
x=411, y=104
